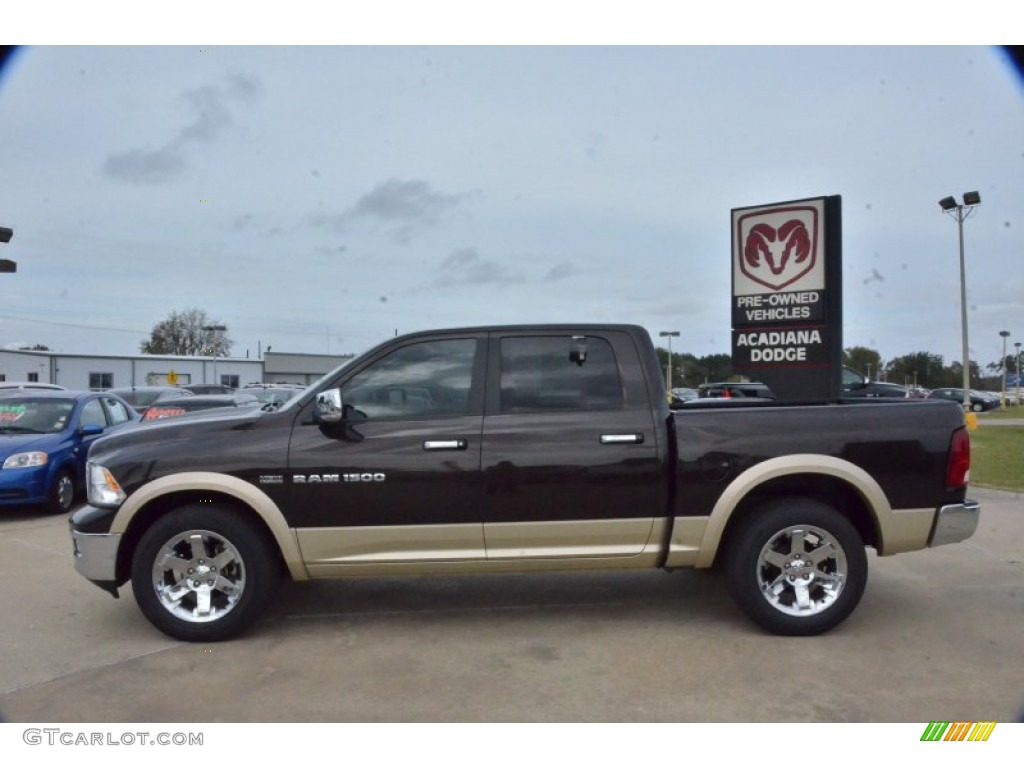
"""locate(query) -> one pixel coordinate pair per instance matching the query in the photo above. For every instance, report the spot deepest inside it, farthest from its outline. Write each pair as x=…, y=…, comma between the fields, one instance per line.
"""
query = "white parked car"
x=28, y=385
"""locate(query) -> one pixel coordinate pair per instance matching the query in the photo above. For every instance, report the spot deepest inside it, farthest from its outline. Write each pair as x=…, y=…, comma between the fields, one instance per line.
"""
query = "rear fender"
x=782, y=466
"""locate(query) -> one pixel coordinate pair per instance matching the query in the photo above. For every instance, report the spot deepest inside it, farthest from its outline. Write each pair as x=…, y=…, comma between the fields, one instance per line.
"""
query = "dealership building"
x=99, y=372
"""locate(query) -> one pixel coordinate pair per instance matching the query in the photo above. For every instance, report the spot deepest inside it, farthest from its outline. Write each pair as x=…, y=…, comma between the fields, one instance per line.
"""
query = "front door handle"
x=623, y=439
x=445, y=445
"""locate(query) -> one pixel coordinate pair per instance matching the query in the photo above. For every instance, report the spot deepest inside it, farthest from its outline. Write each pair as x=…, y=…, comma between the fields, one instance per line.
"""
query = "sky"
x=320, y=199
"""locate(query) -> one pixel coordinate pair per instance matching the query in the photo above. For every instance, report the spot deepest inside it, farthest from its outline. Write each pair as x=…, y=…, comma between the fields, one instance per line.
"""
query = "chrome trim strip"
x=383, y=544
x=531, y=540
x=96, y=555
x=955, y=522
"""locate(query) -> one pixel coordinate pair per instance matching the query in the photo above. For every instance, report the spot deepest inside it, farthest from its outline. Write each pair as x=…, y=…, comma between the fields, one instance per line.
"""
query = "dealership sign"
x=787, y=297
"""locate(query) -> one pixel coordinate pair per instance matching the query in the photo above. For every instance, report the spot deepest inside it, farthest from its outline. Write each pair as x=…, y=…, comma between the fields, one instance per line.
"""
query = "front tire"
x=62, y=493
x=203, y=573
x=797, y=568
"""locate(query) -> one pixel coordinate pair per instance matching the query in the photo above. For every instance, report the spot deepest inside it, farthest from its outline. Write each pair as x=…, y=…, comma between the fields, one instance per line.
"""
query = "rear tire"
x=203, y=573
x=798, y=567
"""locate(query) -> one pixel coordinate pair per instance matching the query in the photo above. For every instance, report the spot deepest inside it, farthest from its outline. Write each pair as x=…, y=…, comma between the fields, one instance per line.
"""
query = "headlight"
x=104, y=490
x=27, y=459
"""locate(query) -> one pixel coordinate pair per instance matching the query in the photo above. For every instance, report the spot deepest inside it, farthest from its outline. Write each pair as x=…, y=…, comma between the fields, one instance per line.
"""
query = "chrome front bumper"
x=96, y=555
x=955, y=522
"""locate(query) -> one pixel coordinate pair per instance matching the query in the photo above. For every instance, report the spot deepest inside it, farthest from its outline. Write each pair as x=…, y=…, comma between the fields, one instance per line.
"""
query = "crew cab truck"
x=493, y=450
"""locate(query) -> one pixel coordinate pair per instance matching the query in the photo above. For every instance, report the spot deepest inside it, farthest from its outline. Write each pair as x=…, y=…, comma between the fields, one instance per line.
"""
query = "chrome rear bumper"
x=955, y=522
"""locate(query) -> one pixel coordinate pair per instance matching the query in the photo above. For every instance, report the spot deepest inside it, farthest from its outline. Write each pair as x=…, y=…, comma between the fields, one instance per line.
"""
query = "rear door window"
x=558, y=373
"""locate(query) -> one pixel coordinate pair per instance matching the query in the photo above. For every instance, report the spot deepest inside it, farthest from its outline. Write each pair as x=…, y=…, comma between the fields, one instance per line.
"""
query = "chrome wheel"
x=62, y=494
x=198, y=576
x=796, y=566
x=801, y=570
x=65, y=491
x=204, y=572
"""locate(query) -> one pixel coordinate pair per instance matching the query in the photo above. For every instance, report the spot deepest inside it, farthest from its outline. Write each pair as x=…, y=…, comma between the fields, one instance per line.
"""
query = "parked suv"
x=737, y=389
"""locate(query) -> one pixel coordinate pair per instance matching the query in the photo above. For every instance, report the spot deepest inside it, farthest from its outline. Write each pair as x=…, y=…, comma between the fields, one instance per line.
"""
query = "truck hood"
x=197, y=425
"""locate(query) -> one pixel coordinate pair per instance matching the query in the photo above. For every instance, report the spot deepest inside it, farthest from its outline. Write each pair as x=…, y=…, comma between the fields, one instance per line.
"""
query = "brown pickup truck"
x=491, y=450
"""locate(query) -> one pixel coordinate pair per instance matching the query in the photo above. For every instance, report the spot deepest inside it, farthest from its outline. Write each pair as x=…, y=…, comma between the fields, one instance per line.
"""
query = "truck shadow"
x=650, y=595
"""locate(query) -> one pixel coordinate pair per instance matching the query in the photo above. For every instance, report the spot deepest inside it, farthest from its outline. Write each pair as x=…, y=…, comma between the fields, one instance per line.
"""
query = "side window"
x=117, y=412
x=92, y=413
x=558, y=373
x=422, y=380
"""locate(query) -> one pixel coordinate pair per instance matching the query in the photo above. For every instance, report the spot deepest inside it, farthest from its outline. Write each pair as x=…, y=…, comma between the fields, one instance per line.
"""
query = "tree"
x=923, y=368
x=955, y=374
x=184, y=333
x=863, y=360
x=1009, y=365
x=715, y=367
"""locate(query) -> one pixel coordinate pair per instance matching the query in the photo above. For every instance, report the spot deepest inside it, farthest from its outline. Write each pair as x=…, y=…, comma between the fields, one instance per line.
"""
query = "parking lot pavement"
x=937, y=635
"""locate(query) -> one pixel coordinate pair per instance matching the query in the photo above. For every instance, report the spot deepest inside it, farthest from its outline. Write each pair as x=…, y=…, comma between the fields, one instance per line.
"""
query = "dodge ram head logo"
x=778, y=247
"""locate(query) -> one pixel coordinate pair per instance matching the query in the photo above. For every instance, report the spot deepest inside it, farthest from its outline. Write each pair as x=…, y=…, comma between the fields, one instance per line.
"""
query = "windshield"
x=30, y=416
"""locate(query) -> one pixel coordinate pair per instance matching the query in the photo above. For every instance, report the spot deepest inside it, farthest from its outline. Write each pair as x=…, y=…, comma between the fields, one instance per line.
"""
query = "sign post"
x=787, y=297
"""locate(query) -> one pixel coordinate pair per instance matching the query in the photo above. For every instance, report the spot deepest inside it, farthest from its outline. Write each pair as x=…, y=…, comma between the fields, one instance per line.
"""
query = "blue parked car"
x=44, y=441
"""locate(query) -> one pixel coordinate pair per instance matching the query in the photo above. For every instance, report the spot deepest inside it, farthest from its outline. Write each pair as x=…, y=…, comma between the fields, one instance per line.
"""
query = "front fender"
x=246, y=493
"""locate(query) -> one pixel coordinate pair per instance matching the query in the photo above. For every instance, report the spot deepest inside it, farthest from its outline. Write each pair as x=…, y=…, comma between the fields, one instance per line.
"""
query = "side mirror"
x=88, y=430
x=329, y=408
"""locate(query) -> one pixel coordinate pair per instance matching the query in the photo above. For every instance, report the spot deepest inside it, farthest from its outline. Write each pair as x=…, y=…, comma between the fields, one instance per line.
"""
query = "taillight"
x=958, y=470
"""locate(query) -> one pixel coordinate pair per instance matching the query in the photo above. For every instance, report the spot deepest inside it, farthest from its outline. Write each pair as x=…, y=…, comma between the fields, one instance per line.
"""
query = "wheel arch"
x=836, y=482
x=154, y=499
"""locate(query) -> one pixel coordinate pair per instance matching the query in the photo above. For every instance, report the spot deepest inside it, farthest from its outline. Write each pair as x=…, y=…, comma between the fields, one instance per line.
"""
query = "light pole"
x=1004, y=334
x=668, y=365
x=960, y=212
x=216, y=329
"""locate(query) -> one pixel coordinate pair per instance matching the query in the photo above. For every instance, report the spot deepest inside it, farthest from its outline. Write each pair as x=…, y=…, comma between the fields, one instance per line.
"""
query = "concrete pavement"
x=938, y=635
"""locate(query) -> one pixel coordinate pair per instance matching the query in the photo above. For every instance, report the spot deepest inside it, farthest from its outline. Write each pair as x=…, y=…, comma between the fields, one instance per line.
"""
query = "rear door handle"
x=622, y=439
x=445, y=445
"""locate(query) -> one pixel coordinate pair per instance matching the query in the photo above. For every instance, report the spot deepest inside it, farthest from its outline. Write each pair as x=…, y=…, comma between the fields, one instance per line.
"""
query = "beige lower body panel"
x=687, y=535
x=905, y=530
x=510, y=547
x=568, y=538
